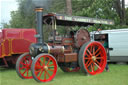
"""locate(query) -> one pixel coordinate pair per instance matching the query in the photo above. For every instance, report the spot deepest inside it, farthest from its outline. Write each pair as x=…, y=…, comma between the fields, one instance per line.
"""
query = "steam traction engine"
x=71, y=53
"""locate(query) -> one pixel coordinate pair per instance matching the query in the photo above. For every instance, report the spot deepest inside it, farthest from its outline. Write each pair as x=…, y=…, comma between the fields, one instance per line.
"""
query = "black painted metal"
x=37, y=48
x=39, y=28
x=65, y=20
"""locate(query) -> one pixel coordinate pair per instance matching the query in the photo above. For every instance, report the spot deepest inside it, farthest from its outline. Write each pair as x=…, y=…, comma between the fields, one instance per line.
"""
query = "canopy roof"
x=74, y=20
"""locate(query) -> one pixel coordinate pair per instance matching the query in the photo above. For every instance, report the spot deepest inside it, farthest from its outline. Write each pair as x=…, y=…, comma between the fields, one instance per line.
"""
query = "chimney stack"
x=39, y=25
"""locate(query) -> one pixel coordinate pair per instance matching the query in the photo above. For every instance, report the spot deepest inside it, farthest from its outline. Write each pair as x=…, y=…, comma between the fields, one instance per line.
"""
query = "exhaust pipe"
x=39, y=25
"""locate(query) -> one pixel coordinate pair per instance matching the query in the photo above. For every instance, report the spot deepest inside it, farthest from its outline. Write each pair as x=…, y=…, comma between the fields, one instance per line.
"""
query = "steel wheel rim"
x=25, y=67
x=94, y=58
x=45, y=68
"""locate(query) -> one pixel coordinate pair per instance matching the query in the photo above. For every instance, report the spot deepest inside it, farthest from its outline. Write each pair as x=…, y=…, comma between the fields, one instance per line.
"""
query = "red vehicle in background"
x=14, y=42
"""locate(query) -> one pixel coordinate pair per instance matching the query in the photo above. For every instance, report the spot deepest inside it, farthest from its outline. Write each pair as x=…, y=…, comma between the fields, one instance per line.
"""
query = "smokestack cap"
x=38, y=9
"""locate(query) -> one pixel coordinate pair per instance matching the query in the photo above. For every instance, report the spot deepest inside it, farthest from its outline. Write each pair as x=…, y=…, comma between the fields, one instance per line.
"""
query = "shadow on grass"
x=61, y=74
x=3, y=69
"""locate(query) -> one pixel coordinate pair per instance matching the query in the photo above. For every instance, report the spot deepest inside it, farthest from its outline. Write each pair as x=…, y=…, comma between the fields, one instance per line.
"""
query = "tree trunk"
x=68, y=7
x=120, y=9
x=68, y=12
x=123, y=13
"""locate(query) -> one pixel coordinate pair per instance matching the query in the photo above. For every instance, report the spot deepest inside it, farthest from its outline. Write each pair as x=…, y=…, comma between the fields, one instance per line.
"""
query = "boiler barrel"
x=56, y=49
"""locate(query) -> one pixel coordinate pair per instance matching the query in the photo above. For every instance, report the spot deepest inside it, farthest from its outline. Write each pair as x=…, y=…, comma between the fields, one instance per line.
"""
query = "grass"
x=118, y=75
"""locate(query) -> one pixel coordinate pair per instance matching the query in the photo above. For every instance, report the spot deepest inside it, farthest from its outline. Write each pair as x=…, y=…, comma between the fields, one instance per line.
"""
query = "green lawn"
x=118, y=75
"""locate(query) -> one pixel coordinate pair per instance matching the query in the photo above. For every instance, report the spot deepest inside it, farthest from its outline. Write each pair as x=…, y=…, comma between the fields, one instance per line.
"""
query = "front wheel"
x=44, y=67
x=92, y=58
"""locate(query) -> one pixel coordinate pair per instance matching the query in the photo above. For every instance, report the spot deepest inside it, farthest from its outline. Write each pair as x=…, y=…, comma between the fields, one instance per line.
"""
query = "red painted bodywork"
x=15, y=41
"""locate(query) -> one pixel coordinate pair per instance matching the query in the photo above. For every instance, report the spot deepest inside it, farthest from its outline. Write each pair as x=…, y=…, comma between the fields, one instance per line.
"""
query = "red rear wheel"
x=92, y=58
x=44, y=68
x=23, y=66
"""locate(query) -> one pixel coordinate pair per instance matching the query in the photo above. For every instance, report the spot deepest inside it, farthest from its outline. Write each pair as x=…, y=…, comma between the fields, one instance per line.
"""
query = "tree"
x=58, y=6
x=24, y=17
x=5, y=25
x=68, y=7
x=126, y=16
x=120, y=9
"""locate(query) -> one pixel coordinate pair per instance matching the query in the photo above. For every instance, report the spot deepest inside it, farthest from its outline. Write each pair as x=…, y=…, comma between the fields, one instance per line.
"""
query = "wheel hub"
x=28, y=66
x=45, y=68
x=93, y=58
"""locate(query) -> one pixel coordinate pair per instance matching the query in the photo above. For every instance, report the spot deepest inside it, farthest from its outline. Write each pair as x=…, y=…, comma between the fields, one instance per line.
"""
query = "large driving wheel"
x=44, y=68
x=92, y=58
x=23, y=66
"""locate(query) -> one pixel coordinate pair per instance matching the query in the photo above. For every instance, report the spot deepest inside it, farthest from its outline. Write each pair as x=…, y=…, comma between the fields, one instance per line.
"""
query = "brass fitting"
x=38, y=9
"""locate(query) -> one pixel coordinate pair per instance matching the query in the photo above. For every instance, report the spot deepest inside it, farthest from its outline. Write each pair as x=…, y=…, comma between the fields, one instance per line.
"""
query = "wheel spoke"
x=51, y=70
x=30, y=62
x=93, y=50
x=89, y=52
x=37, y=66
x=99, y=57
x=29, y=57
x=27, y=72
x=22, y=68
x=97, y=66
x=24, y=71
x=50, y=65
x=26, y=61
x=37, y=71
x=97, y=62
x=86, y=58
x=87, y=55
x=48, y=61
x=41, y=73
x=97, y=50
x=40, y=62
x=44, y=75
x=97, y=54
x=89, y=63
x=47, y=73
x=43, y=61
x=23, y=63
x=91, y=68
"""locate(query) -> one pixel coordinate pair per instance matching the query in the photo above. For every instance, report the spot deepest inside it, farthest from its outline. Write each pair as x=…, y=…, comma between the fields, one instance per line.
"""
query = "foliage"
x=58, y=6
x=101, y=9
x=24, y=17
x=19, y=21
x=104, y=9
x=5, y=25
